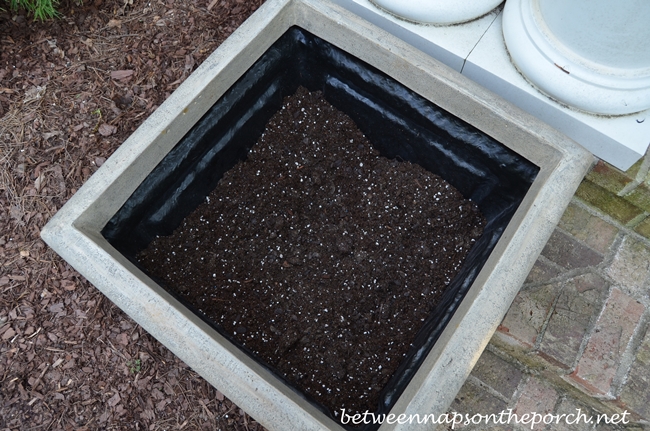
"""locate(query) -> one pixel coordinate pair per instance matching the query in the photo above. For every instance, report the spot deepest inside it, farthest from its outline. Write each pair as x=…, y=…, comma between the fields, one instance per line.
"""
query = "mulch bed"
x=71, y=91
x=318, y=255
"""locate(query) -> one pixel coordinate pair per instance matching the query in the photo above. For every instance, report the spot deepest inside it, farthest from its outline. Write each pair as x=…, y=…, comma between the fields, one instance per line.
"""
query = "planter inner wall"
x=399, y=123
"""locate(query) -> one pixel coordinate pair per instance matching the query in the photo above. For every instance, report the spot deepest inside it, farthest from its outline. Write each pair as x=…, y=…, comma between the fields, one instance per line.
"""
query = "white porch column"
x=593, y=55
x=441, y=12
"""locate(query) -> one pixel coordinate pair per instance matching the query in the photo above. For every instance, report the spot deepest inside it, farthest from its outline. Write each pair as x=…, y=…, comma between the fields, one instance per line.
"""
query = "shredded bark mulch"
x=319, y=255
x=72, y=90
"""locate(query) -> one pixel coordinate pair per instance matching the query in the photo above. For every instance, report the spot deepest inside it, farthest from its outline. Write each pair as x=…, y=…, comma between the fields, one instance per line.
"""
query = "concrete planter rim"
x=74, y=232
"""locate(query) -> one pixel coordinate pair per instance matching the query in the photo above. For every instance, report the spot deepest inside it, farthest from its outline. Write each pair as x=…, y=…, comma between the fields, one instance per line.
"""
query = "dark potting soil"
x=319, y=255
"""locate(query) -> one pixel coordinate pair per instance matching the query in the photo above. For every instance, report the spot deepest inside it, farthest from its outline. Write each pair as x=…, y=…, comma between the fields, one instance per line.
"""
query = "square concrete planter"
x=521, y=172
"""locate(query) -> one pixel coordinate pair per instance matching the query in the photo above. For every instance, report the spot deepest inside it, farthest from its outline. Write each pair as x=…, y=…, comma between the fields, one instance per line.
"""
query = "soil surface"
x=319, y=255
x=71, y=91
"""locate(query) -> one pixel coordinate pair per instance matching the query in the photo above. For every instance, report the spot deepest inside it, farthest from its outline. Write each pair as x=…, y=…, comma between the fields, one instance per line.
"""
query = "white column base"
x=477, y=50
x=552, y=63
x=619, y=140
x=438, y=12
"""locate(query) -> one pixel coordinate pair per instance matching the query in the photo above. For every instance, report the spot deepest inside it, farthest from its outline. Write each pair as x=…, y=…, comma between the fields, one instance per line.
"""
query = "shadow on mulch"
x=71, y=91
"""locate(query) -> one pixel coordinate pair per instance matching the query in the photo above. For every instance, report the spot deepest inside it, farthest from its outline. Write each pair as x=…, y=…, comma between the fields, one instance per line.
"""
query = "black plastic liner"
x=399, y=123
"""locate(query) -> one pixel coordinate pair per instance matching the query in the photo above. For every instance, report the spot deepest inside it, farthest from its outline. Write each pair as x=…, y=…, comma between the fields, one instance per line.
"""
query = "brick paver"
x=525, y=318
x=640, y=197
x=569, y=253
x=577, y=417
x=497, y=373
x=636, y=391
x=619, y=420
x=611, y=204
x=592, y=230
x=536, y=397
x=472, y=399
x=631, y=265
x=601, y=358
x=579, y=304
x=608, y=177
x=542, y=272
x=580, y=318
x=643, y=228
